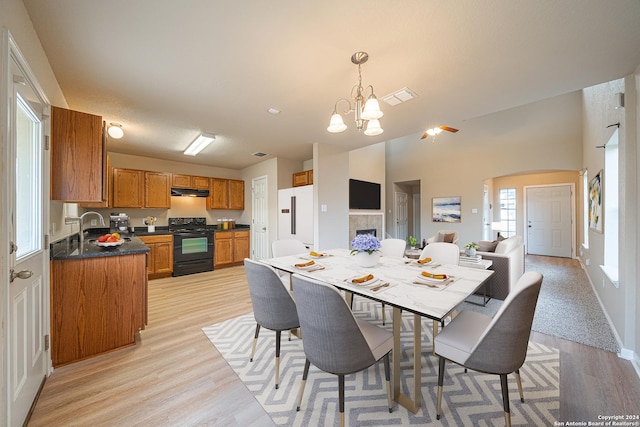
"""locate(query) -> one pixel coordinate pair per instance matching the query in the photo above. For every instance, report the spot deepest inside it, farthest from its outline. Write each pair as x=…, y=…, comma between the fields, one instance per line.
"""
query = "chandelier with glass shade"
x=366, y=113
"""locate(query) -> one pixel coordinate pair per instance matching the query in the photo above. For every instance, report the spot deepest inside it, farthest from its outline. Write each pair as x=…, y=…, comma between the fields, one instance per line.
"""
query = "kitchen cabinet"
x=231, y=248
x=78, y=156
x=226, y=194
x=157, y=190
x=107, y=186
x=189, y=181
x=141, y=189
x=98, y=304
x=160, y=258
x=236, y=194
x=302, y=178
x=128, y=188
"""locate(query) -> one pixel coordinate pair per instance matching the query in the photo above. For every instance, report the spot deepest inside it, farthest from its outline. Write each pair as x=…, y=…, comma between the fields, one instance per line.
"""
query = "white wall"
x=485, y=147
x=331, y=189
x=621, y=303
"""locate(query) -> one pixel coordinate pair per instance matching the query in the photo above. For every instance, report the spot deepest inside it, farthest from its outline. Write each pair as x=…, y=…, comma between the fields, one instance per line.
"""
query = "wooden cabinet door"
x=219, y=194
x=163, y=258
x=241, y=249
x=200, y=182
x=160, y=259
x=180, y=181
x=157, y=190
x=236, y=194
x=223, y=248
x=107, y=190
x=128, y=188
x=78, y=163
x=299, y=178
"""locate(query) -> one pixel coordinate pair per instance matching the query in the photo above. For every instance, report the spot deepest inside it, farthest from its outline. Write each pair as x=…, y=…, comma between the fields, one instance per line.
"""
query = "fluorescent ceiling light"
x=199, y=144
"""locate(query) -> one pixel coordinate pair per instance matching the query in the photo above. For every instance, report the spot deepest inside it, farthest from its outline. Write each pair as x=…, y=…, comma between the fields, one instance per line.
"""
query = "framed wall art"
x=446, y=209
x=595, y=203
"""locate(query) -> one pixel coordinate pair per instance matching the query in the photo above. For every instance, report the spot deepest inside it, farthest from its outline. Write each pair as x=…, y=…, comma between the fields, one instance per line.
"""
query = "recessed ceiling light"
x=259, y=154
x=273, y=111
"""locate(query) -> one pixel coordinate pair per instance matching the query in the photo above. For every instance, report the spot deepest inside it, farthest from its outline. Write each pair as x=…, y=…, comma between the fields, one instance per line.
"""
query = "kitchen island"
x=98, y=297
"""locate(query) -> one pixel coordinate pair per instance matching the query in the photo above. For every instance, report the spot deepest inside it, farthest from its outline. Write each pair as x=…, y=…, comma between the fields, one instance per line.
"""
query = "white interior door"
x=26, y=294
x=549, y=221
x=486, y=214
x=401, y=215
x=260, y=218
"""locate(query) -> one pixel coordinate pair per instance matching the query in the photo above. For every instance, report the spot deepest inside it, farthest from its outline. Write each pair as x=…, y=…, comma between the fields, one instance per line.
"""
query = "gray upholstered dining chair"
x=495, y=345
x=273, y=306
x=334, y=340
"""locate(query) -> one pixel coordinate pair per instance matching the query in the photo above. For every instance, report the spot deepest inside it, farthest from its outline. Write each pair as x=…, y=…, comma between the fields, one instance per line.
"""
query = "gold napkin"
x=424, y=260
x=363, y=279
x=305, y=264
x=434, y=276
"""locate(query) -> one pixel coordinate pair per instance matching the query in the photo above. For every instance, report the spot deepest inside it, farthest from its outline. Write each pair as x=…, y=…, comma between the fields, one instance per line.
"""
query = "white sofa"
x=508, y=264
x=448, y=236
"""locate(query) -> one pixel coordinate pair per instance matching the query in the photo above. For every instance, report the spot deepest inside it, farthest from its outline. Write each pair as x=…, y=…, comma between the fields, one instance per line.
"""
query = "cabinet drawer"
x=242, y=234
x=223, y=235
x=165, y=238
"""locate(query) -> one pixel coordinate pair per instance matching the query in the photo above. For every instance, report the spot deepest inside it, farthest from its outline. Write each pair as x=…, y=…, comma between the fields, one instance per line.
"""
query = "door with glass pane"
x=27, y=302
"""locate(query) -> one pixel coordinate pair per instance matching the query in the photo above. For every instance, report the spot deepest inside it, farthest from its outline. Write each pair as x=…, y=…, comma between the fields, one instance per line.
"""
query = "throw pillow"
x=448, y=237
x=486, y=246
x=501, y=238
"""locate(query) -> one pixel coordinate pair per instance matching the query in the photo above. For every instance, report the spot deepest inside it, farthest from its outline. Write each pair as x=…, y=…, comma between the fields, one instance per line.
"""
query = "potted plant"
x=470, y=249
x=413, y=242
x=365, y=248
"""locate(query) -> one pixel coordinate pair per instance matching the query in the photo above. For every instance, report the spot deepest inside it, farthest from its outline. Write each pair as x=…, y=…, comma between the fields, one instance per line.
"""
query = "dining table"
x=401, y=283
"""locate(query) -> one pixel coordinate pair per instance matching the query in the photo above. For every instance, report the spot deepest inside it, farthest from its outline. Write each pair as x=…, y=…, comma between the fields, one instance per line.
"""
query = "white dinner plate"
x=432, y=279
x=110, y=244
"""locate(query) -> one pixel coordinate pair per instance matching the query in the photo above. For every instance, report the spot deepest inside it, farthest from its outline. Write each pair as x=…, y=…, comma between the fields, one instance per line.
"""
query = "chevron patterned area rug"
x=469, y=399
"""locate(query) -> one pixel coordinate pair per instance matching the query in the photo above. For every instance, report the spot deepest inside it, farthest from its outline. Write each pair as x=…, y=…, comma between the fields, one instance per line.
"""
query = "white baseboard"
x=624, y=353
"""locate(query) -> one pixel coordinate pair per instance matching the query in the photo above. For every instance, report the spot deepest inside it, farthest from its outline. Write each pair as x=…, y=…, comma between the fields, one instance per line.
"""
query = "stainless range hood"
x=189, y=192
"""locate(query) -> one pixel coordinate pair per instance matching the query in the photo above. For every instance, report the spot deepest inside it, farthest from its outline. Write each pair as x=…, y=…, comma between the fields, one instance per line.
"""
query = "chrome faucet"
x=80, y=220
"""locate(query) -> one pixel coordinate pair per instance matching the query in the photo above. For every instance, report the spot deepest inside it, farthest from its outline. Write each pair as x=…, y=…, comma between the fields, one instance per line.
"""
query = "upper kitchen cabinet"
x=157, y=190
x=78, y=156
x=188, y=181
x=236, y=194
x=302, y=178
x=141, y=189
x=226, y=194
x=128, y=188
x=107, y=189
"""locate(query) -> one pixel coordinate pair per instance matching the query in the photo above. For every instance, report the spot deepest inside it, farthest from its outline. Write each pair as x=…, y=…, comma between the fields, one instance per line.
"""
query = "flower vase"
x=471, y=252
x=366, y=260
x=151, y=228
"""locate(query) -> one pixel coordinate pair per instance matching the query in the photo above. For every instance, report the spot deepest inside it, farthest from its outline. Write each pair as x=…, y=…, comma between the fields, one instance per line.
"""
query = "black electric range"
x=192, y=246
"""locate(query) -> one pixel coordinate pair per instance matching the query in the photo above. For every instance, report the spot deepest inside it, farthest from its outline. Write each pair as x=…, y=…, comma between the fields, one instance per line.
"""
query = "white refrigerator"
x=295, y=214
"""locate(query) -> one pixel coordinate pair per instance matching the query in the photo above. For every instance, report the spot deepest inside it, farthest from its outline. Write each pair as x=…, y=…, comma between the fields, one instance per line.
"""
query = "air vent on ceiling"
x=400, y=96
x=259, y=154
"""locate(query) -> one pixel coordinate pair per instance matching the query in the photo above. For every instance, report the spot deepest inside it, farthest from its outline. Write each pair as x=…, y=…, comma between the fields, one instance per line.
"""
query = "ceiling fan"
x=435, y=131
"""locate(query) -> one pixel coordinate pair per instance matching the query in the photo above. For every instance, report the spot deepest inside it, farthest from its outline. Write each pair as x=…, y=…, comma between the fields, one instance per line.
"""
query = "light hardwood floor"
x=173, y=376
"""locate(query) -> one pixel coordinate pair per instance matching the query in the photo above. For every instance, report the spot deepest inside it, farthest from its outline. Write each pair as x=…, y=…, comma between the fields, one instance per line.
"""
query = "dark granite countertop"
x=67, y=248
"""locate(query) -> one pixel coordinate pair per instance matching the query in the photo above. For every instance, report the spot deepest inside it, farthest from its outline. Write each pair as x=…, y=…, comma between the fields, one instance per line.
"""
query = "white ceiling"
x=168, y=69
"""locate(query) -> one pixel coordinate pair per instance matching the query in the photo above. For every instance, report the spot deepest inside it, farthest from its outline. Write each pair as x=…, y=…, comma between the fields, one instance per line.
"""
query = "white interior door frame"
x=259, y=217
x=573, y=213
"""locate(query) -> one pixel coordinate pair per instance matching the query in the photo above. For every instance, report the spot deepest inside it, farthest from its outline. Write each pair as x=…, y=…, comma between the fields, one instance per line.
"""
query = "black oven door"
x=192, y=252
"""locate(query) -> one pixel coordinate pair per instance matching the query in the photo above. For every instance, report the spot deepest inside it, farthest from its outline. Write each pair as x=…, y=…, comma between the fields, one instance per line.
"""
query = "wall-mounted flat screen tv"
x=364, y=195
